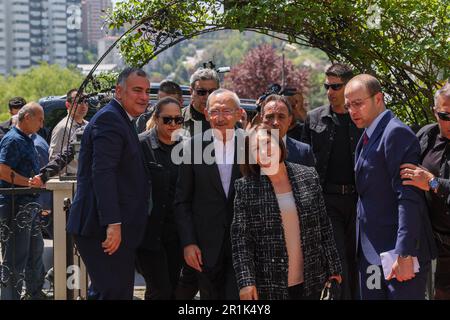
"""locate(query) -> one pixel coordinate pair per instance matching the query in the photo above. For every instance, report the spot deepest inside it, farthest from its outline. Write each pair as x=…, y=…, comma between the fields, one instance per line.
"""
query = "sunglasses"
x=444, y=116
x=334, y=86
x=177, y=120
x=204, y=92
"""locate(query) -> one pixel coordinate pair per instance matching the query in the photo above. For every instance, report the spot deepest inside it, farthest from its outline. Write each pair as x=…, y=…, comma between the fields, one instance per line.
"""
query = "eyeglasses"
x=444, y=116
x=225, y=113
x=177, y=120
x=334, y=86
x=356, y=105
x=204, y=92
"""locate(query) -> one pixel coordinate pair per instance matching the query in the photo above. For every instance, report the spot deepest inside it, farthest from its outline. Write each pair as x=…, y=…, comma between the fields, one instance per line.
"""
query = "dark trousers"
x=161, y=270
x=219, y=282
x=187, y=287
x=112, y=276
x=296, y=293
x=342, y=212
x=373, y=285
x=442, y=275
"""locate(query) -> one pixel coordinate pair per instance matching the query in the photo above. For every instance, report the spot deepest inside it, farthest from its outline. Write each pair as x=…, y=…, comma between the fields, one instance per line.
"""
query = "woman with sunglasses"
x=159, y=257
x=282, y=239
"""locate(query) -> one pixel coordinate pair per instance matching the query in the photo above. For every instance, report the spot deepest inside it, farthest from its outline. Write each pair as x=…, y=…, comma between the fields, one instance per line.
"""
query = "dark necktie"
x=365, y=139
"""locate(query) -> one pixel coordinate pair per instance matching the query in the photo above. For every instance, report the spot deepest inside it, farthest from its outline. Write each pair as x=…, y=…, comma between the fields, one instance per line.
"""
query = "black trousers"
x=187, y=287
x=342, y=212
x=160, y=269
x=442, y=275
x=219, y=282
x=112, y=276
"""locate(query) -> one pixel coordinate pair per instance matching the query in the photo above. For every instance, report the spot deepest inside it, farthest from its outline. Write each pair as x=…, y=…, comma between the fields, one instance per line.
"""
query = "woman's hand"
x=248, y=293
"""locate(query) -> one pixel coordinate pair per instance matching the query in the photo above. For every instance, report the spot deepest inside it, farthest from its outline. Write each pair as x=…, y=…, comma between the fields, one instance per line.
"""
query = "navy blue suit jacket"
x=299, y=152
x=390, y=215
x=112, y=184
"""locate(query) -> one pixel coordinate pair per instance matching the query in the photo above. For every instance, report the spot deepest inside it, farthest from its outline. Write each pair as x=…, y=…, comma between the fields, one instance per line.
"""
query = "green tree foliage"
x=405, y=43
x=37, y=82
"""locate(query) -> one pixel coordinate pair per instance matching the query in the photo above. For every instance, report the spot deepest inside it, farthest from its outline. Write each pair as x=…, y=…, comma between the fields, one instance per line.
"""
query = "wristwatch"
x=433, y=184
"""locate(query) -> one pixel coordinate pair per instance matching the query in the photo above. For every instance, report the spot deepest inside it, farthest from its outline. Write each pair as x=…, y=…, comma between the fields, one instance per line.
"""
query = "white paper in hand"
x=389, y=257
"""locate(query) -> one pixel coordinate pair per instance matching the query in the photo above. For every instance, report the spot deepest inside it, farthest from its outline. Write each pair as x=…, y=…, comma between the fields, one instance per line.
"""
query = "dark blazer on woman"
x=259, y=249
x=161, y=226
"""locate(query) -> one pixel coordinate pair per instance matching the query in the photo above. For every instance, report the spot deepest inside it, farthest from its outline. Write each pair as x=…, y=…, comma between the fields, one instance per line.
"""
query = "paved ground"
x=139, y=283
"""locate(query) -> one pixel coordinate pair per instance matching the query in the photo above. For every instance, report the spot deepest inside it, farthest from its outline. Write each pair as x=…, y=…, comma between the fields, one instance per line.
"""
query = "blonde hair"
x=151, y=123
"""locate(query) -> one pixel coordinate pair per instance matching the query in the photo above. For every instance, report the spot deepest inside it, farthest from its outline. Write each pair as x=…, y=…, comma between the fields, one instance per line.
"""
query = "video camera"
x=211, y=65
x=274, y=88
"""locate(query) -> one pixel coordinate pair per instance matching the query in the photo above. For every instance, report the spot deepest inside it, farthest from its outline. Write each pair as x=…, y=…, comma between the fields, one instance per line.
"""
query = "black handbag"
x=331, y=290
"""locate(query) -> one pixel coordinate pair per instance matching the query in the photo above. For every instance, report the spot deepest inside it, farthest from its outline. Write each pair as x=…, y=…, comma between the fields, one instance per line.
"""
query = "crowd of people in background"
x=204, y=200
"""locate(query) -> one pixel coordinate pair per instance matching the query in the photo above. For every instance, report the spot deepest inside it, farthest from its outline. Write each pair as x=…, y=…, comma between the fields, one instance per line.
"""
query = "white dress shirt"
x=224, y=154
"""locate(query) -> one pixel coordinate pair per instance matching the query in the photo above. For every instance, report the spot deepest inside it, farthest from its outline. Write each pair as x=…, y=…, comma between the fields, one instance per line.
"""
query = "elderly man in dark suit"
x=277, y=114
x=109, y=211
x=392, y=218
x=205, y=194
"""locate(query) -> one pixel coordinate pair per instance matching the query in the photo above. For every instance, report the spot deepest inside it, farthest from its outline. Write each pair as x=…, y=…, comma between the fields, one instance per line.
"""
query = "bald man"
x=18, y=162
x=391, y=217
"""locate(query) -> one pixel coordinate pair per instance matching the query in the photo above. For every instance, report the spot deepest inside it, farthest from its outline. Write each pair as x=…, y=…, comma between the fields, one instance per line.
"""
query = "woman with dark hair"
x=282, y=240
x=159, y=257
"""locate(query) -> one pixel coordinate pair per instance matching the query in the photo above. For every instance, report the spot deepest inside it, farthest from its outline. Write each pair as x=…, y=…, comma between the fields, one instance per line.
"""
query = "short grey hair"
x=444, y=91
x=232, y=94
x=30, y=108
x=204, y=74
x=127, y=72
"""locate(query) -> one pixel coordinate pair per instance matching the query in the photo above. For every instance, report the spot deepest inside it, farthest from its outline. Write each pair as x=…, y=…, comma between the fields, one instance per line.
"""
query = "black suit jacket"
x=202, y=210
x=299, y=152
x=112, y=181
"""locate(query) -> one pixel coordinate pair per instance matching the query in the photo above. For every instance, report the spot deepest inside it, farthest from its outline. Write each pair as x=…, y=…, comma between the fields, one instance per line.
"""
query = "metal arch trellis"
x=161, y=40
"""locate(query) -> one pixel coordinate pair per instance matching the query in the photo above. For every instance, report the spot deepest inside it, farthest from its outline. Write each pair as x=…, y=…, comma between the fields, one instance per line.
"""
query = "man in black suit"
x=205, y=194
x=110, y=207
x=276, y=112
x=333, y=137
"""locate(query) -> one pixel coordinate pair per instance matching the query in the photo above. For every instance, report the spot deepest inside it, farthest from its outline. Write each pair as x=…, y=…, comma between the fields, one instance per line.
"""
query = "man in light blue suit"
x=110, y=207
x=391, y=216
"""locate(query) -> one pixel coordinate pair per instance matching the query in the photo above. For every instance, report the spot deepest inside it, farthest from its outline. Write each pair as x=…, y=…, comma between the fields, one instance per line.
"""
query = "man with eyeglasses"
x=333, y=138
x=205, y=194
x=203, y=82
x=77, y=109
x=433, y=176
x=392, y=219
x=167, y=88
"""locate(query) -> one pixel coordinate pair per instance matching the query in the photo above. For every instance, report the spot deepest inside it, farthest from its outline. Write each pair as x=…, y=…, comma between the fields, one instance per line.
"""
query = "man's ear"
x=118, y=93
x=379, y=98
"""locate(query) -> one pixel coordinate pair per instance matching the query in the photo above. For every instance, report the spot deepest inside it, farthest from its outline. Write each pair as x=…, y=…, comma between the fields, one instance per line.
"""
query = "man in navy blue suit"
x=276, y=112
x=391, y=216
x=108, y=214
